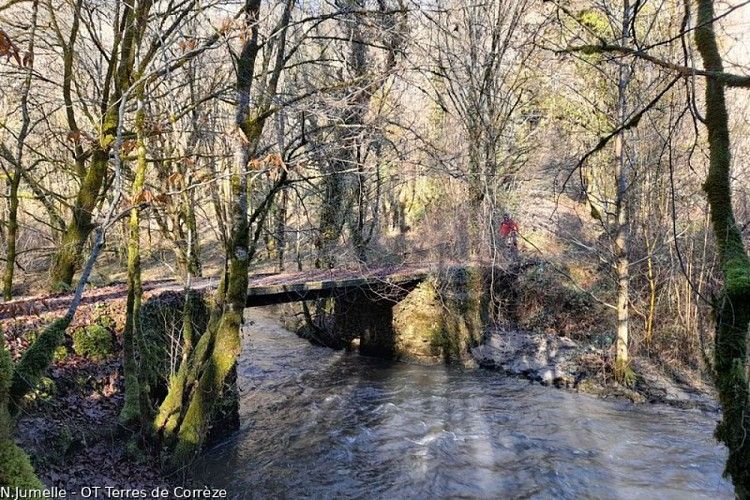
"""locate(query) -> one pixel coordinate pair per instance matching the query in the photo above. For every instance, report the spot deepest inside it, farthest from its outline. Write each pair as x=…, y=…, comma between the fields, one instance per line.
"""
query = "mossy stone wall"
x=444, y=317
x=161, y=327
x=439, y=321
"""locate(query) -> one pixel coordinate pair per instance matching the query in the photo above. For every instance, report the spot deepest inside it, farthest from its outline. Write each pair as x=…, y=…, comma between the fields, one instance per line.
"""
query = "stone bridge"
x=427, y=314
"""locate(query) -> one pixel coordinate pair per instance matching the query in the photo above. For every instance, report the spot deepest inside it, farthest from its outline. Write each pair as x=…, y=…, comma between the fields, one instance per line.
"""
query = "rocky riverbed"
x=552, y=359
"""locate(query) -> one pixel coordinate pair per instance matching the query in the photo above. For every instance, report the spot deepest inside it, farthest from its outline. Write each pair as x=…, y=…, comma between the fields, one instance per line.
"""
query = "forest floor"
x=72, y=435
x=69, y=426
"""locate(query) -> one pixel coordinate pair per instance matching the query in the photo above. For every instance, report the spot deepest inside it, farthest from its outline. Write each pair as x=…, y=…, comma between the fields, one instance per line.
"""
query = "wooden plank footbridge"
x=384, y=283
x=263, y=289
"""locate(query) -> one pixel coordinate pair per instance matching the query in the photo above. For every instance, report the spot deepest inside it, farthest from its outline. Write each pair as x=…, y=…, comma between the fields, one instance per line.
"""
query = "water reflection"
x=317, y=423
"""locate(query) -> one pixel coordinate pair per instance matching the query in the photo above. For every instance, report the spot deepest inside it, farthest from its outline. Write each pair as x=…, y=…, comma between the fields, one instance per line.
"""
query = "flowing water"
x=319, y=423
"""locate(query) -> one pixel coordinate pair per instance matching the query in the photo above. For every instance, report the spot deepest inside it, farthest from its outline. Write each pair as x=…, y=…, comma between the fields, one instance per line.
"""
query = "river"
x=319, y=423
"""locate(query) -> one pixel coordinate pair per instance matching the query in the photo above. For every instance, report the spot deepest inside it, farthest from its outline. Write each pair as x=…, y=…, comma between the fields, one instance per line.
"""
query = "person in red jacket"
x=509, y=232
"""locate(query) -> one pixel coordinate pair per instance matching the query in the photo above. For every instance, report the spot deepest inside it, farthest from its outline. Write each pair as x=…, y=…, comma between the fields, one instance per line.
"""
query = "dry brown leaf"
x=175, y=178
x=8, y=48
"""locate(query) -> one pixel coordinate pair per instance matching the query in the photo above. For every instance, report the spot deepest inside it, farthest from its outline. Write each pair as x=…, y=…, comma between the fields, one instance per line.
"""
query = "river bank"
x=69, y=423
x=562, y=362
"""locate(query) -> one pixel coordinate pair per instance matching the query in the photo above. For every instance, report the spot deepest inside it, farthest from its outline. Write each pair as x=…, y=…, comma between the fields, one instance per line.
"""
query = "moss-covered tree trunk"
x=15, y=467
x=733, y=308
x=15, y=177
x=195, y=394
x=188, y=247
x=68, y=257
x=79, y=227
x=132, y=410
x=222, y=343
x=12, y=235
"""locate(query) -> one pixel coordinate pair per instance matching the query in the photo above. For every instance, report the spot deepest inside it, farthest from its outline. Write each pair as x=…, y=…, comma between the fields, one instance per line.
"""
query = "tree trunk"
x=621, y=243
x=15, y=180
x=132, y=411
x=222, y=343
x=79, y=228
x=186, y=415
x=12, y=236
x=331, y=220
x=476, y=195
x=280, y=230
x=733, y=308
x=192, y=254
x=346, y=181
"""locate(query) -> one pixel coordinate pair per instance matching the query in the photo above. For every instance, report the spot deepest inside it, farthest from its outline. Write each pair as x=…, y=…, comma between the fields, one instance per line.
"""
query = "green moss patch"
x=93, y=342
x=443, y=317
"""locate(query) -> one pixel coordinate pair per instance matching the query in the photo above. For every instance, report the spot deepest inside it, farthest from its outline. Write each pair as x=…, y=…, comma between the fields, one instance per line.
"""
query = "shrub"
x=93, y=342
x=546, y=301
x=103, y=318
x=44, y=392
x=60, y=354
